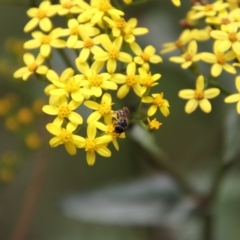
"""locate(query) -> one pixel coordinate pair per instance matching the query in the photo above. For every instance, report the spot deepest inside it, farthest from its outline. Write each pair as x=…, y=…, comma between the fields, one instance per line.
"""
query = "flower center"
x=131, y=80
x=72, y=86
x=65, y=136
x=90, y=145
x=41, y=14
x=179, y=43
x=104, y=109
x=198, y=94
x=225, y=21
x=221, y=59
x=145, y=57
x=67, y=4
x=188, y=57
x=158, y=100
x=232, y=37
x=64, y=111
x=148, y=81
x=46, y=39
x=113, y=54
x=88, y=43
x=32, y=67
x=121, y=23
x=104, y=6
x=74, y=31
x=95, y=80
x=208, y=7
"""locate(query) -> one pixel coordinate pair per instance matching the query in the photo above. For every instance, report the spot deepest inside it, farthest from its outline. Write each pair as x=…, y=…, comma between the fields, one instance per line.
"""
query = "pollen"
x=67, y=4
x=198, y=95
x=208, y=7
x=104, y=109
x=64, y=111
x=148, y=81
x=72, y=86
x=88, y=43
x=65, y=136
x=46, y=39
x=74, y=31
x=225, y=21
x=121, y=23
x=41, y=14
x=179, y=43
x=145, y=57
x=95, y=80
x=90, y=145
x=32, y=67
x=232, y=37
x=158, y=100
x=131, y=80
x=113, y=54
x=221, y=59
x=188, y=57
x=104, y=6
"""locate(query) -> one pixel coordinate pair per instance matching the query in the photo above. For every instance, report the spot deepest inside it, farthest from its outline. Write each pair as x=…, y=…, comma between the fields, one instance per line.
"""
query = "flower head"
x=198, y=96
x=153, y=124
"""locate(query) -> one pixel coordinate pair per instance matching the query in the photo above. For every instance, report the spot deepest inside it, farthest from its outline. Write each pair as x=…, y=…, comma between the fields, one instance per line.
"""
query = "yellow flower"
x=130, y=80
x=103, y=109
x=97, y=10
x=147, y=80
x=208, y=10
x=153, y=124
x=190, y=56
x=93, y=144
x=199, y=96
x=65, y=136
x=109, y=129
x=69, y=7
x=94, y=80
x=45, y=42
x=229, y=39
x=201, y=34
x=73, y=86
x=219, y=59
x=236, y=96
x=40, y=16
x=32, y=66
x=112, y=53
x=146, y=56
x=63, y=110
x=158, y=102
x=184, y=38
x=177, y=2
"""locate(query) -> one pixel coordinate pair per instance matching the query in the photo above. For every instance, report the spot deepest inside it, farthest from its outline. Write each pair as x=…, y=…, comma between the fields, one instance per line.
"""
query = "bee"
x=121, y=120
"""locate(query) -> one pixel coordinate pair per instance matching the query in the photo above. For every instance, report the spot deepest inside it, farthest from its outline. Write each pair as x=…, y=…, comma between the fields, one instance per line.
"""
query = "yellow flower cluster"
x=221, y=23
x=102, y=56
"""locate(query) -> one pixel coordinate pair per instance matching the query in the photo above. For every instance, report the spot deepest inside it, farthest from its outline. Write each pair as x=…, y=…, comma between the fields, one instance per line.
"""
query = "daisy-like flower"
x=219, y=59
x=199, y=96
x=128, y=81
x=45, y=42
x=230, y=39
x=65, y=136
x=103, y=109
x=63, y=110
x=41, y=16
x=146, y=56
x=70, y=7
x=94, y=80
x=112, y=53
x=93, y=144
x=208, y=10
x=158, y=102
x=184, y=38
x=176, y=3
x=153, y=124
x=147, y=80
x=73, y=86
x=190, y=56
x=236, y=96
x=33, y=65
x=109, y=129
x=97, y=10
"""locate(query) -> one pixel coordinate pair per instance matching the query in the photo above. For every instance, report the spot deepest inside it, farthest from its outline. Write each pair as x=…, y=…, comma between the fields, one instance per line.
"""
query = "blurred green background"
x=47, y=194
